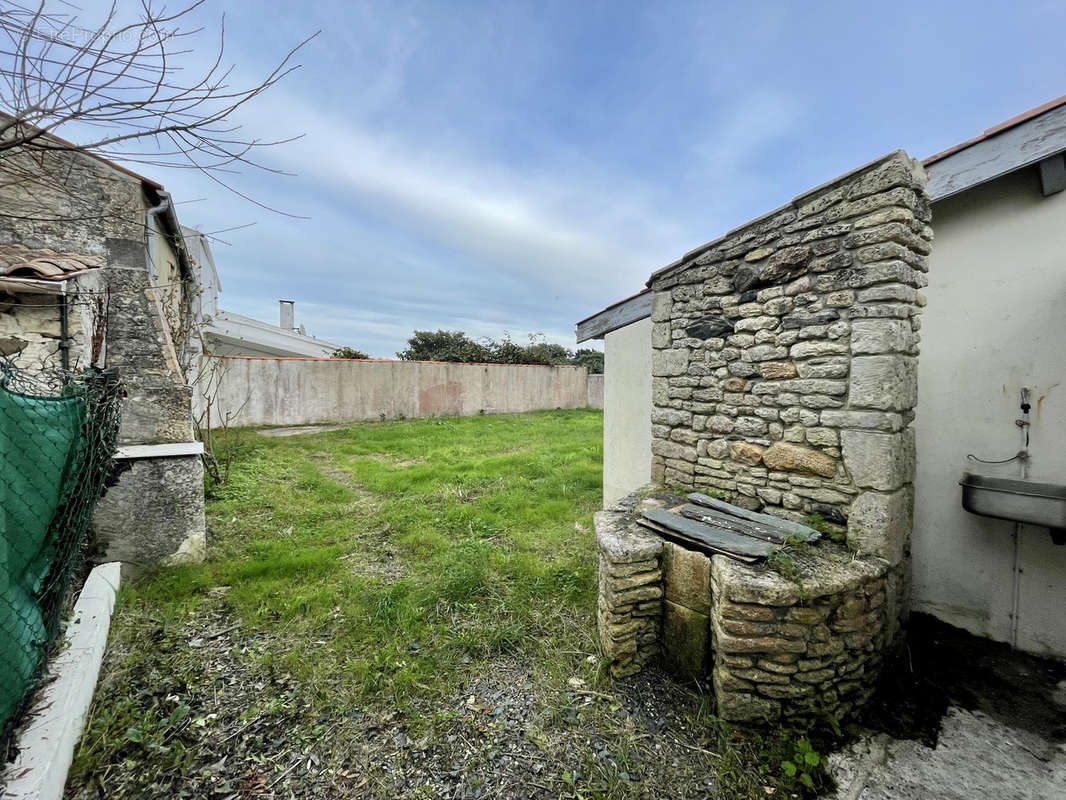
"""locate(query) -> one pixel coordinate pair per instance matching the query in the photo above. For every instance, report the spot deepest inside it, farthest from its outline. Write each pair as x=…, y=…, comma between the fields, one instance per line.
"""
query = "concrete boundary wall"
x=596, y=392
x=309, y=391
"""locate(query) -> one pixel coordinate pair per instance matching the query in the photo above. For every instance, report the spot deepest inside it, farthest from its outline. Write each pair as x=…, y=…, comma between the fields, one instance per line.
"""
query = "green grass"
x=409, y=549
x=390, y=579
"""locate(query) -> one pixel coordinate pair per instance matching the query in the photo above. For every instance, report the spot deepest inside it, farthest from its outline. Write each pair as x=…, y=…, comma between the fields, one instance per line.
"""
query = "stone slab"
x=686, y=636
x=687, y=575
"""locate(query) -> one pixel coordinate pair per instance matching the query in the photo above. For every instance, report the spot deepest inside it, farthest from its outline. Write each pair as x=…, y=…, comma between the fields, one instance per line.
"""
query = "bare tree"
x=123, y=90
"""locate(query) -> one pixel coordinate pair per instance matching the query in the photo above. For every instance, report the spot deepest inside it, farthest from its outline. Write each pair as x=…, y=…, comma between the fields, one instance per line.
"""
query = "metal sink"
x=1018, y=500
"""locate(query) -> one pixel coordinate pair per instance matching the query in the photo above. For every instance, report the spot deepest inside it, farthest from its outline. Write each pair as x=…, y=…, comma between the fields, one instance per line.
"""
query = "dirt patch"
x=943, y=666
x=383, y=458
x=232, y=728
x=299, y=430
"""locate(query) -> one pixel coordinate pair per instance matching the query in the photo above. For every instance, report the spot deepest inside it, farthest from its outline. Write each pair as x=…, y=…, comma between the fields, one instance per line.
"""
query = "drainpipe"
x=64, y=330
x=1023, y=468
x=149, y=219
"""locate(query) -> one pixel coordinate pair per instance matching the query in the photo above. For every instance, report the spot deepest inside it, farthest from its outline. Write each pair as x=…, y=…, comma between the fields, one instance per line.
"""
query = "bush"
x=348, y=352
x=456, y=346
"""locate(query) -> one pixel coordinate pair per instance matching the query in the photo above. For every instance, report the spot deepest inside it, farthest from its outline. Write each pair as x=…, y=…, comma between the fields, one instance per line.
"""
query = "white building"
x=226, y=333
x=993, y=326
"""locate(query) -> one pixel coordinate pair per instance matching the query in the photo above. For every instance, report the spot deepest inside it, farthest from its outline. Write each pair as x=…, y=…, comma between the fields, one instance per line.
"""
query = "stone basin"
x=1017, y=500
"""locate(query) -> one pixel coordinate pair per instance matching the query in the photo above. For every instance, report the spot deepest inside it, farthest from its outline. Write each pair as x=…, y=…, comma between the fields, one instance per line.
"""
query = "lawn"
x=395, y=610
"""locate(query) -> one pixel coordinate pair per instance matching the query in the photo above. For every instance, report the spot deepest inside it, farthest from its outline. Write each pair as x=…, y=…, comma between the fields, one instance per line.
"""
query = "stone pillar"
x=630, y=593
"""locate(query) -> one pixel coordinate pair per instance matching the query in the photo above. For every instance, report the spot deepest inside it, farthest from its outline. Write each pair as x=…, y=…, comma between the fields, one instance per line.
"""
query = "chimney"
x=288, y=316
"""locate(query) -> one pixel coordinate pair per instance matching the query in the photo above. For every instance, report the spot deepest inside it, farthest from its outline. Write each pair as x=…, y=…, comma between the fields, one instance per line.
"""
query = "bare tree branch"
x=120, y=83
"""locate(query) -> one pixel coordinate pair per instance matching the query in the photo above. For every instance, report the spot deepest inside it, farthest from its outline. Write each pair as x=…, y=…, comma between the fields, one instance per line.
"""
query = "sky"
x=514, y=167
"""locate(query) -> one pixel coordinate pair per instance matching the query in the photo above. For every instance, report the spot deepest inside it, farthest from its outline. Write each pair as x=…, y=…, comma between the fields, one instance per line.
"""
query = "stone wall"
x=784, y=363
x=785, y=353
x=67, y=201
x=630, y=602
x=805, y=648
x=31, y=326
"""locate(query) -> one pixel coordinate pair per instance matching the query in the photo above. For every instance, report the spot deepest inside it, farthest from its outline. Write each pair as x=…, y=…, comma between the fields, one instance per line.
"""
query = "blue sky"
x=506, y=166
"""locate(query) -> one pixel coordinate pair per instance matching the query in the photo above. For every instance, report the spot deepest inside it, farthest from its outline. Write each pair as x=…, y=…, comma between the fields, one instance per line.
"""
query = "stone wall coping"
x=756, y=584
x=798, y=200
x=622, y=541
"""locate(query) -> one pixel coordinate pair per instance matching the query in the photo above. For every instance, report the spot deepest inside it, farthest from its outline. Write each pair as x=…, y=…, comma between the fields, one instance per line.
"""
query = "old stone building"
x=135, y=304
x=784, y=374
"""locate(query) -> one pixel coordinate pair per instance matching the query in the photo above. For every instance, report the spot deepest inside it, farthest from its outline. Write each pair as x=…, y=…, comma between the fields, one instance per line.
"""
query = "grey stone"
x=171, y=526
x=710, y=327
x=815, y=349
x=883, y=461
x=880, y=524
x=881, y=336
x=623, y=542
x=661, y=307
x=887, y=383
x=686, y=635
x=784, y=264
x=745, y=278
x=807, y=320
x=869, y=420
x=669, y=362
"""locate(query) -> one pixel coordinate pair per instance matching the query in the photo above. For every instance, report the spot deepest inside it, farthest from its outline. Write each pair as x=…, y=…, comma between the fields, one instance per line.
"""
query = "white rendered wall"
x=626, y=410
x=995, y=322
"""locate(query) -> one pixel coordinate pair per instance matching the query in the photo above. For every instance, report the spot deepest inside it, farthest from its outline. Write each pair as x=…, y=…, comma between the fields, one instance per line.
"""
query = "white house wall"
x=627, y=410
x=994, y=323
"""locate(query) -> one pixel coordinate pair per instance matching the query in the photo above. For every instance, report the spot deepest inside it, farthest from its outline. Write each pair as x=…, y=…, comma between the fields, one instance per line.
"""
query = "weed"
x=781, y=562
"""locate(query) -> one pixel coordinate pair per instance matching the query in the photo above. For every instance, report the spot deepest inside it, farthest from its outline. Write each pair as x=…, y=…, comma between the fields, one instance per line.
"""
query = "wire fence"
x=58, y=433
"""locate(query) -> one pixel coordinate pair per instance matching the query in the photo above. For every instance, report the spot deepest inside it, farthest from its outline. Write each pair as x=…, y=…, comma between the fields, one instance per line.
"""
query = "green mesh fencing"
x=57, y=439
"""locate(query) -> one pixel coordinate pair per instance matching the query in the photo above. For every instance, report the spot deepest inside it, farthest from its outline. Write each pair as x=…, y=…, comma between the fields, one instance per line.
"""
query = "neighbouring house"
x=112, y=288
x=229, y=334
x=990, y=377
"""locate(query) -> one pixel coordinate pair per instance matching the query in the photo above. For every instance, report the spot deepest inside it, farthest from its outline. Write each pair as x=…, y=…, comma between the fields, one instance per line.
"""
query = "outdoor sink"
x=1018, y=500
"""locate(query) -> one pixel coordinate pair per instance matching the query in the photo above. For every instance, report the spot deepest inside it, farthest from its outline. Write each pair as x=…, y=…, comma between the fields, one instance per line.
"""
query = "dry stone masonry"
x=784, y=380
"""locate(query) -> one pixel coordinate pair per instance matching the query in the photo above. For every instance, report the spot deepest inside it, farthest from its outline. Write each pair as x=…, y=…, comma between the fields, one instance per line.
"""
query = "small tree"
x=590, y=359
x=348, y=352
x=444, y=345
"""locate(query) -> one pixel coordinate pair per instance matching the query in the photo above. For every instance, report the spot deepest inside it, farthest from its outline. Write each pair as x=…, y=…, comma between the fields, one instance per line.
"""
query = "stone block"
x=746, y=452
x=886, y=383
x=774, y=370
x=883, y=461
x=873, y=336
x=665, y=363
x=789, y=457
x=741, y=583
x=687, y=575
x=661, y=307
x=621, y=542
x=784, y=264
x=871, y=420
x=169, y=529
x=734, y=706
x=880, y=524
x=686, y=635
x=750, y=426
x=660, y=334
